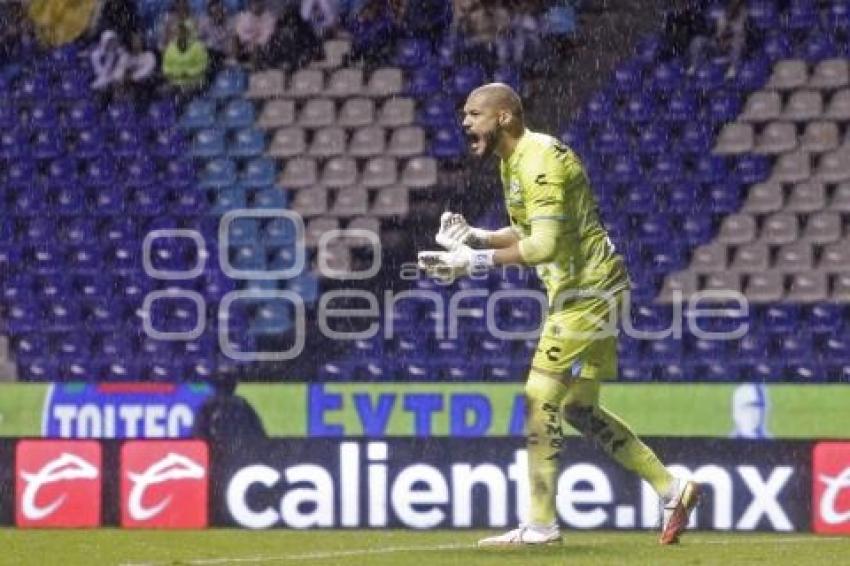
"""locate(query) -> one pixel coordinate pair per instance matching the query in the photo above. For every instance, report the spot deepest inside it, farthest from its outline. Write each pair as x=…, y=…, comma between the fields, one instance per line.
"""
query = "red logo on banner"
x=57, y=483
x=831, y=487
x=164, y=484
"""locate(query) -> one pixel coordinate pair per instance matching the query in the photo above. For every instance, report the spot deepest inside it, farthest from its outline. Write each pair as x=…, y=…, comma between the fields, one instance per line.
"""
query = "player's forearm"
x=500, y=239
x=540, y=247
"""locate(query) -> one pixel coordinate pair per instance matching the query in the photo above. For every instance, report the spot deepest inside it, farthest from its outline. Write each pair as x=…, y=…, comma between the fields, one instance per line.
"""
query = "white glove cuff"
x=482, y=259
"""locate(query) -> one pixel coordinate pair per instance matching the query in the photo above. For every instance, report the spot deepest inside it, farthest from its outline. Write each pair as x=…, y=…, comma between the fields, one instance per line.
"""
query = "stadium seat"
x=228, y=83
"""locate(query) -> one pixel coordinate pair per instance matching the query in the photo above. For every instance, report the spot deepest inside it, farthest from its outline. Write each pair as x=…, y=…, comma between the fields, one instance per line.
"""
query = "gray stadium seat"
x=796, y=257
x=356, y=113
x=311, y=201
x=763, y=198
x=684, y=282
x=335, y=51
x=808, y=287
x=737, y=229
x=835, y=257
x=762, y=106
x=788, y=74
x=803, y=106
x=316, y=227
x=780, y=228
x=368, y=223
x=420, y=172
x=722, y=281
x=734, y=138
x=317, y=113
x=809, y=196
x=344, y=83
x=353, y=201
x=777, y=137
x=765, y=287
x=391, y=201
x=276, y=114
x=266, y=84
x=368, y=142
x=839, y=106
x=840, y=200
x=339, y=172
x=407, y=141
x=306, y=83
x=792, y=167
x=298, y=173
x=333, y=259
x=751, y=258
x=288, y=142
x=830, y=74
x=823, y=228
x=840, y=288
x=328, y=142
x=709, y=258
x=397, y=112
x=820, y=137
x=380, y=172
x=385, y=82
x=834, y=167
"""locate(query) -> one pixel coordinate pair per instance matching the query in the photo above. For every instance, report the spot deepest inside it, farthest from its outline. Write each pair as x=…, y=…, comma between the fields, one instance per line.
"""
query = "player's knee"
x=580, y=417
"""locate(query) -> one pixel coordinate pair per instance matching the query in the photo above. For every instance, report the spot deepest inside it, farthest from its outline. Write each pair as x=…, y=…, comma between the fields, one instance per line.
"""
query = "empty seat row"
x=781, y=228
x=322, y=112
x=352, y=201
x=342, y=83
x=791, y=74
x=778, y=137
x=797, y=166
x=763, y=287
x=801, y=106
x=404, y=141
x=302, y=172
x=804, y=197
x=796, y=257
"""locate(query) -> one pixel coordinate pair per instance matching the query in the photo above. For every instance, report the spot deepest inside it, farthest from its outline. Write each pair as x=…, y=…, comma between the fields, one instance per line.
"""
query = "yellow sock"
x=618, y=440
x=544, y=396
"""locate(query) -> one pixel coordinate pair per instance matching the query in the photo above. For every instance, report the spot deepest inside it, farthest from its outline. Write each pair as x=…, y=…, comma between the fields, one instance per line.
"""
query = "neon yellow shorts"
x=581, y=340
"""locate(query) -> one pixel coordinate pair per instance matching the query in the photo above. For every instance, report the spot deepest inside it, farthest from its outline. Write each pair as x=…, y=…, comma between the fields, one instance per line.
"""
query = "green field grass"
x=403, y=548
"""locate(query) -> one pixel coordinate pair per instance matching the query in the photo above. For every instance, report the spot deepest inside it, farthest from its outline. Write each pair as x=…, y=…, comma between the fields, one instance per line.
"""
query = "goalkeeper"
x=554, y=226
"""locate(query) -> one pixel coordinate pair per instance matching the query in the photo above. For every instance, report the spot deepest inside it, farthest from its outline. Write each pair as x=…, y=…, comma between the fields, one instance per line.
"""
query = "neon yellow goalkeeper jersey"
x=544, y=179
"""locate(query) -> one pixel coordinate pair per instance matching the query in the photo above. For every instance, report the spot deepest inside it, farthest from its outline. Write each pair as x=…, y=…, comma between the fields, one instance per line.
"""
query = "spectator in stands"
x=425, y=19
x=216, y=31
x=17, y=35
x=322, y=15
x=525, y=35
x=719, y=33
x=255, y=26
x=121, y=17
x=186, y=61
x=374, y=32
x=294, y=42
x=179, y=15
x=109, y=61
x=485, y=26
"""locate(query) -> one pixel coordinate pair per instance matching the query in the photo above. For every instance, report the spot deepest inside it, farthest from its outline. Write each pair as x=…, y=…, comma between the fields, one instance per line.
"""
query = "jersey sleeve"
x=548, y=178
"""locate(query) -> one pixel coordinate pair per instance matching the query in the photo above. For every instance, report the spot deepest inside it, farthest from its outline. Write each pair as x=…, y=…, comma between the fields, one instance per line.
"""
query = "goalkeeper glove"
x=463, y=260
x=455, y=231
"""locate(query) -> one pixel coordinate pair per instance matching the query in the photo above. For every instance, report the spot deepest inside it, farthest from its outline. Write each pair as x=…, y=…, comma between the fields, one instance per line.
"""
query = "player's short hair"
x=502, y=96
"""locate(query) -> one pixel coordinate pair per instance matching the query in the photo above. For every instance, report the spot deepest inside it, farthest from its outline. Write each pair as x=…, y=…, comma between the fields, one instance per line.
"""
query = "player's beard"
x=486, y=142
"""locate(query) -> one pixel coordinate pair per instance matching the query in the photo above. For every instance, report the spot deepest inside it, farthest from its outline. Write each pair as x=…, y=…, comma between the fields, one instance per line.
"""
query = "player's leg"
x=584, y=413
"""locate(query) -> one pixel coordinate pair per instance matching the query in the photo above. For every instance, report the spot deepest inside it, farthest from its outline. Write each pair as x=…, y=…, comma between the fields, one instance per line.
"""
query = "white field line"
x=307, y=556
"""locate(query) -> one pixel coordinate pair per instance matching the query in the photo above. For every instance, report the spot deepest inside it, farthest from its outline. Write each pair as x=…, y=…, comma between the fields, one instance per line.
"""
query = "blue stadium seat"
x=47, y=144
x=199, y=113
x=777, y=46
x=207, y=143
x=827, y=318
x=412, y=53
x=838, y=16
x=145, y=201
x=271, y=197
x=708, y=76
x=88, y=143
x=628, y=77
x=38, y=229
x=228, y=83
x=121, y=114
x=654, y=139
x=43, y=115
x=127, y=142
x=640, y=199
x=237, y=114
x=600, y=108
x=29, y=202
x=710, y=169
x=218, y=173
x=801, y=15
x=78, y=229
x=466, y=78
x=510, y=76
x=666, y=169
x=180, y=173
x=247, y=142
x=140, y=172
x=751, y=169
x=259, y=172
x=82, y=114
x=168, y=143
x=99, y=172
x=448, y=142
x=73, y=86
x=696, y=139
x=817, y=47
x=696, y=229
x=437, y=111
x=248, y=257
x=681, y=107
x=105, y=200
x=724, y=197
x=667, y=77
x=161, y=114
x=762, y=15
x=781, y=318
x=33, y=87
x=425, y=82
x=723, y=107
x=753, y=74
x=226, y=199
